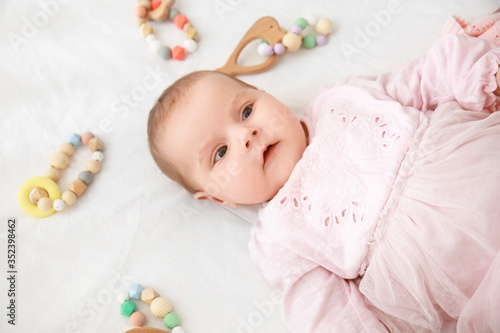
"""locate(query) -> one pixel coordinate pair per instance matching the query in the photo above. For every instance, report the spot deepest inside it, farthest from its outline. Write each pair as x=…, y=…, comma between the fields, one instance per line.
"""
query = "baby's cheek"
x=282, y=122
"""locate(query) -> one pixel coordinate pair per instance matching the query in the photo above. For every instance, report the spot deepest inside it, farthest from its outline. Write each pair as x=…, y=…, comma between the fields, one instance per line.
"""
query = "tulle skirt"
x=434, y=262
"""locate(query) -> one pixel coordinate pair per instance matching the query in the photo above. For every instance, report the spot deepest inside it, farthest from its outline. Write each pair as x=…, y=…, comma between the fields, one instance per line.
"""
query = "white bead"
x=261, y=49
x=311, y=19
x=150, y=38
x=122, y=296
x=155, y=46
x=178, y=329
x=190, y=45
x=58, y=205
x=98, y=156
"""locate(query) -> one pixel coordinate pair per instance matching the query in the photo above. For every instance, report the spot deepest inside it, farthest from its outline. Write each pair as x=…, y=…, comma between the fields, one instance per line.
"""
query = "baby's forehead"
x=216, y=79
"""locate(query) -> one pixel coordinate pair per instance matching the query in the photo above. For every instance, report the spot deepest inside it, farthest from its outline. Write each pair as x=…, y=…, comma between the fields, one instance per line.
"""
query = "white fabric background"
x=77, y=65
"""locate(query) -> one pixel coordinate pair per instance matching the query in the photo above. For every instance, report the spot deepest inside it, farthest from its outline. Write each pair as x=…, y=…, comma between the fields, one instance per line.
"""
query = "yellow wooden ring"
x=23, y=195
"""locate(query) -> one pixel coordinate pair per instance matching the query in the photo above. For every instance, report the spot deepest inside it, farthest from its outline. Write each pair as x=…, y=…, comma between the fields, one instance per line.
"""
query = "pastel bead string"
x=294, y=39
x=41, y=197
x=160, y=307
x=157, y=10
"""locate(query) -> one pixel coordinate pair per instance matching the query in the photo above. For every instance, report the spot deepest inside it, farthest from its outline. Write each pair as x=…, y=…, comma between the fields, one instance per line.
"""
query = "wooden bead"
x=69, y=197
x=160, y=306
x=67, y=148
x=86, y=137
x=141, y=21
x=96, y=144
x=53, y=174
x=192, y=33
x=37, y=193
x=145, y=3
x=44, y=204
x=161, y=13
x=93, y=166
x=77, y=187
x=148, y=295
x=146, y=29
x=292, y=41
x=59, y=160
x=324, y=26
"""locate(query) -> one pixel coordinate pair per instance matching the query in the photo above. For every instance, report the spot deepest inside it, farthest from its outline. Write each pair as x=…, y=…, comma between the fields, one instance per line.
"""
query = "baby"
x=381, y=206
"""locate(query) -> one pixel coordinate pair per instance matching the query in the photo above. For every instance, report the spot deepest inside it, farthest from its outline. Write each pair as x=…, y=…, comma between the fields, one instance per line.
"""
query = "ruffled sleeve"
x=456, y=68
x=314, y=299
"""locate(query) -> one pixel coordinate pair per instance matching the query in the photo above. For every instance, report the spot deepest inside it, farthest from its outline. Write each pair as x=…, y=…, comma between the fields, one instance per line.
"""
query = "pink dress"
x=391, y=220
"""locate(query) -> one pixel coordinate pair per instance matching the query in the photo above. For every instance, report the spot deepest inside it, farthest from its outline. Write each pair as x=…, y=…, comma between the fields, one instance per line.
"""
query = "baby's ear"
x=202, y=195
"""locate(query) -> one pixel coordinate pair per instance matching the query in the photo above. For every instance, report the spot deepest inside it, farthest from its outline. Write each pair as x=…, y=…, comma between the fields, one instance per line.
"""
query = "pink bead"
x=140, y=11
x=86, y=137
x=279, y=48
x=296, y=29
x=268, y=50
x=137, y=319
x=320, y=40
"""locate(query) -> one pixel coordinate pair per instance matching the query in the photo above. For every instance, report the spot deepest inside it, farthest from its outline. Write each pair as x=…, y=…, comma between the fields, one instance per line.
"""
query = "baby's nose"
x=250, y=137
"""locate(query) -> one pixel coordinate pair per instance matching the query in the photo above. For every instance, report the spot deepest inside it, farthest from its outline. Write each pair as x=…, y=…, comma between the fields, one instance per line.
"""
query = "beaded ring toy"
x=157, y=10
x=41, y=197
x=160, y=308
x=293, y=39
x=279, y=41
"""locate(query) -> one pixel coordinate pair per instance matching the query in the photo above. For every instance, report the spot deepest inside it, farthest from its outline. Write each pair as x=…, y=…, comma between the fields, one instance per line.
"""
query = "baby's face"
x=238, y=145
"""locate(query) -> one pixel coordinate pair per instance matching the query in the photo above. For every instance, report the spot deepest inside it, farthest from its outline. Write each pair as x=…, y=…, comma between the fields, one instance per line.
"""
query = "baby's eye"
x=220, y=153
x=246, y=112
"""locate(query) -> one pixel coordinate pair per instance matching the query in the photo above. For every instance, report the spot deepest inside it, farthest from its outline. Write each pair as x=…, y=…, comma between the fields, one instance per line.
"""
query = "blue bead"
x=135, y=291
x=75, y=139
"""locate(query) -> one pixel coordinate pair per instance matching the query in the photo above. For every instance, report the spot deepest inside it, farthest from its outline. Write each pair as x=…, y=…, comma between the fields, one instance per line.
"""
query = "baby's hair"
x=159, y=114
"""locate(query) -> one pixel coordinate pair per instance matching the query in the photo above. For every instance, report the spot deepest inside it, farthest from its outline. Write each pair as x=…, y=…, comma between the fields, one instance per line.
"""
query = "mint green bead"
x=302, y=22
x=263, y=41
x=309, y=42
x=171, y=320
x=127, y=308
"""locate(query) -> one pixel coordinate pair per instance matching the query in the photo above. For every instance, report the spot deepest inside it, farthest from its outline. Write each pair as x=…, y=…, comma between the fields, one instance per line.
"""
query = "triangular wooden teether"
x=266, y=28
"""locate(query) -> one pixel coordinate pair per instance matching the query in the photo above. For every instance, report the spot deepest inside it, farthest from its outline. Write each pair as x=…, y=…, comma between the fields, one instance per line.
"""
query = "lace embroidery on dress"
x=347, y=142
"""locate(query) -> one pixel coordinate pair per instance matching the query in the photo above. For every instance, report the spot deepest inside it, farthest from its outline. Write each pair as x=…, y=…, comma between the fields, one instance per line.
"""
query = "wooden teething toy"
x=276, y=42
x=157, y=10
x=41, y=197
x=160, y=308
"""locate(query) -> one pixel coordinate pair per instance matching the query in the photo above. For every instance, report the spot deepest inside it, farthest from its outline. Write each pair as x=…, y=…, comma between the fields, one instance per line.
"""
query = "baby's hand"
x=497, y=92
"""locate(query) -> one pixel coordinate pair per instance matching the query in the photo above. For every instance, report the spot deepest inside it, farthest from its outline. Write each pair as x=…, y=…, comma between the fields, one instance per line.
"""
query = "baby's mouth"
x=269, y=152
